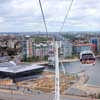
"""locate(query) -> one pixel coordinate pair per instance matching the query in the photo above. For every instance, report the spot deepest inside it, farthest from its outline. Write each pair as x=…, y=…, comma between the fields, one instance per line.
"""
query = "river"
x=92, y=70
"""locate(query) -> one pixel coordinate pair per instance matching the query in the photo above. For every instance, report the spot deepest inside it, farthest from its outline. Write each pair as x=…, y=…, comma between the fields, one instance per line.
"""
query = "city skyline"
x=22, y=15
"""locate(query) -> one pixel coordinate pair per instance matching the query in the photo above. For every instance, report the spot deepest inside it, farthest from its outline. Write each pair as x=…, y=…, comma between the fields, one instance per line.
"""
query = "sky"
x=25, y=15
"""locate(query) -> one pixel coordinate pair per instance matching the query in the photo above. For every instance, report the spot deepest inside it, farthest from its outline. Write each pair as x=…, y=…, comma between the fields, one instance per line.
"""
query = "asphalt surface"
x=7, y=96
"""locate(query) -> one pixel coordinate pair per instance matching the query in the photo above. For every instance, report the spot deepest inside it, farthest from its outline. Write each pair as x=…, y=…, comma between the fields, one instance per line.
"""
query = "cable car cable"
x=43, y=16
x=66, y=16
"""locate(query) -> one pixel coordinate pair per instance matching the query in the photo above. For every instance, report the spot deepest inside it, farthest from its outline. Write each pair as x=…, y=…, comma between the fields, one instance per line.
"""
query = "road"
x=6, y=96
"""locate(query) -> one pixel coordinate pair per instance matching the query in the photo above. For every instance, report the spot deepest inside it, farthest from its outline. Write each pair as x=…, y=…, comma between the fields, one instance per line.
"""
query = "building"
x=3, y=43
x=96, y=42
x=67, y=48
x=27, y=48
x=40, y=49
x=6, y=82
x=83, y=47
x=30, y=48
x=15, y=72
x=11, y=43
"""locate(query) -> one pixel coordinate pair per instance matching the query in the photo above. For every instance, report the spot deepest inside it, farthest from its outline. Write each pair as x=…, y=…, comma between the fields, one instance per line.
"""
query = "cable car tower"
x=57, y=81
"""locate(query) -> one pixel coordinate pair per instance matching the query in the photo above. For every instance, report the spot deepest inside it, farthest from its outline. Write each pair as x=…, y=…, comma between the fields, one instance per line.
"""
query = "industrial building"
x=13, y=71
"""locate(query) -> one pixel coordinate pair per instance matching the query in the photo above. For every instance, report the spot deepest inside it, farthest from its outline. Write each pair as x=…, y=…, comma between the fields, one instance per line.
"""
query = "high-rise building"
x=27, y=49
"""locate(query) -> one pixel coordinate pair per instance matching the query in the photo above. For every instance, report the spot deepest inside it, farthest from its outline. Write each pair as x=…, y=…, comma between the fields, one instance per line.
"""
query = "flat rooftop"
x=13, y=68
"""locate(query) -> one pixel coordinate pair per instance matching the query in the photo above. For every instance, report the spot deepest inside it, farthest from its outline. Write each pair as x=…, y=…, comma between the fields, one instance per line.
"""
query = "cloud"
x=1, y=19
x=25, y=15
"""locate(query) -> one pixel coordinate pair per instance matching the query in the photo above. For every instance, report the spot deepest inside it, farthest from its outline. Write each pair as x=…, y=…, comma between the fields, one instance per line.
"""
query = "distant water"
x=92, y=70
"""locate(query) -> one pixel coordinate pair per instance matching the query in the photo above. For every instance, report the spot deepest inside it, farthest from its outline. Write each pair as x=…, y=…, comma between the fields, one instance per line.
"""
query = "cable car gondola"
x=87, y=57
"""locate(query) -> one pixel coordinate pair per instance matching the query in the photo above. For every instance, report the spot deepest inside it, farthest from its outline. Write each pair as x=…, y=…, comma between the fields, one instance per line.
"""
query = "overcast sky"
x=25, y=15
